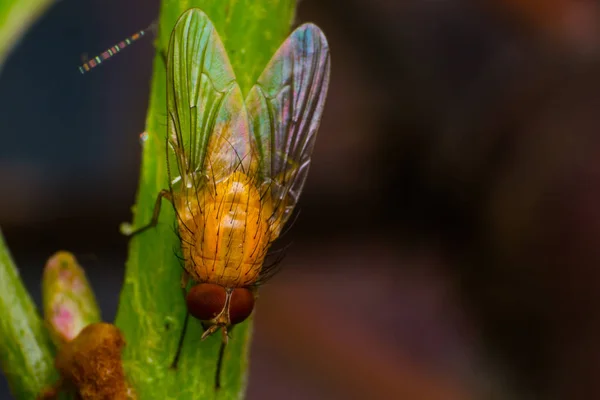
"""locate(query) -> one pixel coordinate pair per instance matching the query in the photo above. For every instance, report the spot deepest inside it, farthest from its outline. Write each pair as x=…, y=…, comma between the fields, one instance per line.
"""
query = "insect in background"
x=108, y=53
x=236, y=166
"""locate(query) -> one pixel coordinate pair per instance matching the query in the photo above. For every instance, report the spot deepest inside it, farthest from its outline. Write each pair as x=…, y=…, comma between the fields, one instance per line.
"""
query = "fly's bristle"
x=105, y=55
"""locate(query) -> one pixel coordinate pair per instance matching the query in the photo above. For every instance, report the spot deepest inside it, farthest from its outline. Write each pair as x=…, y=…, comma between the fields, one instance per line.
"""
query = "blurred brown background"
x=447, y=245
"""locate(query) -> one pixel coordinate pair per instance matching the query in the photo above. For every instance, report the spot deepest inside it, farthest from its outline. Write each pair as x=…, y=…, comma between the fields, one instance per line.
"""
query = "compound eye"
x=241, y=305
x=205, y=301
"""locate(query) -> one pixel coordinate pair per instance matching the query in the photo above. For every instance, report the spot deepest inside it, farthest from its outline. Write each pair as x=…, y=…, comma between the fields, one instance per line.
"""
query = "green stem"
x=25, y=350
x=151, y=310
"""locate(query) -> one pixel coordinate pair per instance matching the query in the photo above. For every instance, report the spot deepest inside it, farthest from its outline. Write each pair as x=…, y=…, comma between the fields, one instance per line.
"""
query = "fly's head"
x=219, y=307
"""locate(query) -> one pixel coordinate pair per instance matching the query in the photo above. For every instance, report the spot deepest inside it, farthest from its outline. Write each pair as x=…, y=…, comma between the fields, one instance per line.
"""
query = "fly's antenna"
x=105, y=55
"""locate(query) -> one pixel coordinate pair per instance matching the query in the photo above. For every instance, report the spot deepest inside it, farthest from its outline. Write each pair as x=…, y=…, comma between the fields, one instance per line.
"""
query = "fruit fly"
x=236, y=166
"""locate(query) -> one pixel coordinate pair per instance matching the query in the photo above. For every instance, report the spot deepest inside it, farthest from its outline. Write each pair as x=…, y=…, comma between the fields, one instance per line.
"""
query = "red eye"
x=241, y=305
x=205, y=301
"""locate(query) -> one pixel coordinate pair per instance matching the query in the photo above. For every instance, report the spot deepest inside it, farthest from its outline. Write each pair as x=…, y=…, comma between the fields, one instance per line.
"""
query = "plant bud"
x=68, y=300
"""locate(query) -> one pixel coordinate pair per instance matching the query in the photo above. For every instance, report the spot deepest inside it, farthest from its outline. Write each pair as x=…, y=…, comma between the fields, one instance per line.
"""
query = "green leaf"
x=15, y=18
x=151, y=311
x=25, y=349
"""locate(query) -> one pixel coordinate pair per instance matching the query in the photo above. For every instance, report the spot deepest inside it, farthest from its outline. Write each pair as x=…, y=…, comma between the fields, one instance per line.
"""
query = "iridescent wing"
x=285, y=108
x=207, y=121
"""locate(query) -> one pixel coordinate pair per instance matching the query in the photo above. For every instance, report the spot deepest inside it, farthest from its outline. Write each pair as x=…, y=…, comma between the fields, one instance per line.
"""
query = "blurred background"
x=448, y=240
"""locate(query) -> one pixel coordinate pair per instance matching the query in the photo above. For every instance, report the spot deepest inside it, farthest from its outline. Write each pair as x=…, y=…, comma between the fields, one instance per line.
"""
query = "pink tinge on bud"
x=68, y=300
x=63, y=322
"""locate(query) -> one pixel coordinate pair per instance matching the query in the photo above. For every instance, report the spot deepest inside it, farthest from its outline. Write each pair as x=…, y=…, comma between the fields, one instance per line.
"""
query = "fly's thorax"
x=225, y=231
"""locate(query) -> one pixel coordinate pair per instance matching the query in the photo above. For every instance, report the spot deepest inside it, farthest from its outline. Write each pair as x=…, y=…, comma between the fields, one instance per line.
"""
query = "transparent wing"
x=207, y=122
x=284, y=109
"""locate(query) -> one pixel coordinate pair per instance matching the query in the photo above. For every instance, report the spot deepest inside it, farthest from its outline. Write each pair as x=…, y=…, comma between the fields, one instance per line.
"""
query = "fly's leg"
x=185, y=278
x=180, y=344
x=220, y=362
x=162, y=194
